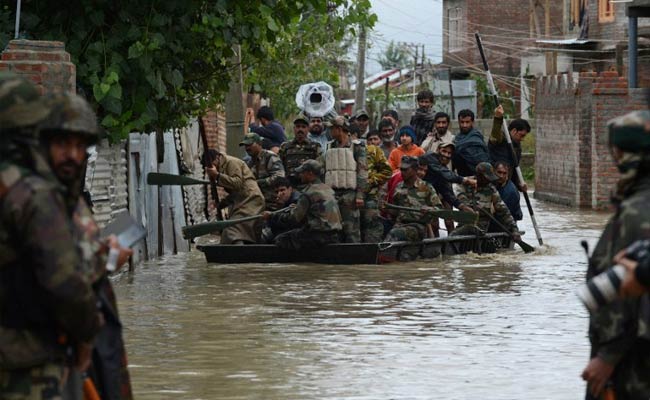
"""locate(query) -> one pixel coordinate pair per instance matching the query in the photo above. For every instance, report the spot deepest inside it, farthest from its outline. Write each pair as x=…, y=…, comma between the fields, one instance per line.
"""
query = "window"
x=455, y=36
x=605, y=11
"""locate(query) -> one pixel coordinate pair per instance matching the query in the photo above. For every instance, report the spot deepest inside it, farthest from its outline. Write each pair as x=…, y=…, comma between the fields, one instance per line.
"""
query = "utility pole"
x=360, y=93
x=235, y=106
x=415, y=66
x=17, y=19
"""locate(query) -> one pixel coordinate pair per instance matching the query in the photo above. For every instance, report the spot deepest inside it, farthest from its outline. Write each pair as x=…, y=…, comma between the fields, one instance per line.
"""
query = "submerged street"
x=504, y=326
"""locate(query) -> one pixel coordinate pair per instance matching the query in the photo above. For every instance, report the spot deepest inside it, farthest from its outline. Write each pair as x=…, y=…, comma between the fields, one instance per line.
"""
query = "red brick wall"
x=573, y=162
x=47, y=64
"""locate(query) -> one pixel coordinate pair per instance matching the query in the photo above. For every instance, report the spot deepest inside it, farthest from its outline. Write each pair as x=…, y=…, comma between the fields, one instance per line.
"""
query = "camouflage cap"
x=487, y=171
x=409, y=162
x=309, y=165
x=339, y=121
x=631, y=132
x=301, y=118
x=70, y=113
x=360, y=114
x=250, y=138
x=446, y=144
x=20, y=103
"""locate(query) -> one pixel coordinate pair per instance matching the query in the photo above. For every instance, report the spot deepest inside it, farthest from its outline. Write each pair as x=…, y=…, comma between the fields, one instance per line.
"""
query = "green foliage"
x=151, y=64
x=486, y=103
x=395, y=56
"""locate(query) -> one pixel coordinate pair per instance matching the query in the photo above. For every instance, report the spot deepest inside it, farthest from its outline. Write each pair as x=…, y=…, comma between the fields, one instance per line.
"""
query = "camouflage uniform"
x=412, y=226
x=46, y=305
x=487, y=198
x=267, y=166
x=379, y=171
x=293, y=154
x=620, y=331
x=318, y=211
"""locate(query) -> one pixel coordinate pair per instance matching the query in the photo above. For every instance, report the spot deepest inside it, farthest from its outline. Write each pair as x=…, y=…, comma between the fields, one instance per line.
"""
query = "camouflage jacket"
x=614, y=328
x=46, y=295
x=317, y=209
x=379, y=171
x=266, y=167
x=359, y=152
x=293, y=154
x=419, y=195
x=489, y=200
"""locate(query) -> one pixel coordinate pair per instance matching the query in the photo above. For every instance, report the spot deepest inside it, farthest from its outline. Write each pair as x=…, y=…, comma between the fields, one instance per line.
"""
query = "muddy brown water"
x=505, y=326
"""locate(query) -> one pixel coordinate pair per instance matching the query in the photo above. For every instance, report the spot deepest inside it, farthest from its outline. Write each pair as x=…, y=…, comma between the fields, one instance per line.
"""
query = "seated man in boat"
x=441, y=178
x=485, y=200
x=414, y=193
x=244, y=196
x=286, y=195
x=316, y=212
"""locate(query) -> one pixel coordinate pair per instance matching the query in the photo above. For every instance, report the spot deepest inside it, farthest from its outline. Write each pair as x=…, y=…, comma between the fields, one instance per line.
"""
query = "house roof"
x=379, y=79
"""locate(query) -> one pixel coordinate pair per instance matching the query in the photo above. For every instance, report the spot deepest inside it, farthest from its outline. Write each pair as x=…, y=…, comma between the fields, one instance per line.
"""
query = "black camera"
x=603, y=288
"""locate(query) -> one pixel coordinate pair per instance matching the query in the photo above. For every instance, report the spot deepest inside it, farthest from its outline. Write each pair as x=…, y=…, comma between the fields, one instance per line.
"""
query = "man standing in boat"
x=317, y=212
x=266, y=166
x=244, y=196
x=485, y=201
x=293, y=153
x=414, y=193
x=471, y=149
x=346, y=171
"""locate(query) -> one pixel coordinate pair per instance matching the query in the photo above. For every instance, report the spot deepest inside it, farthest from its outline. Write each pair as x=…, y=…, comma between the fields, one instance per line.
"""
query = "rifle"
x=506, y=133
x=207, y=161
x=161, y=179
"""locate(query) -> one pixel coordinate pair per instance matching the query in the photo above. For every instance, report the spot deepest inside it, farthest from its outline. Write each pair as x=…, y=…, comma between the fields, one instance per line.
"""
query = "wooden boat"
x=357, y=253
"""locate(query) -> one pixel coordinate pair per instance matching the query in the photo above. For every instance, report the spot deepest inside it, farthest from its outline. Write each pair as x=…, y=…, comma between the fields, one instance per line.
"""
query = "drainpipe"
x=632, y=51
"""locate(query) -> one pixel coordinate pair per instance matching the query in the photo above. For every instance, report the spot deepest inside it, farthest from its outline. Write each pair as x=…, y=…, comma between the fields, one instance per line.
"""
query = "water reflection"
x=504, y=326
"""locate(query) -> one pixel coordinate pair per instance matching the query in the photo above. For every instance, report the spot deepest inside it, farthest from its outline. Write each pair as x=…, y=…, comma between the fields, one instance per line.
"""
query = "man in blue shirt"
x=507, y=190
x=269, y=128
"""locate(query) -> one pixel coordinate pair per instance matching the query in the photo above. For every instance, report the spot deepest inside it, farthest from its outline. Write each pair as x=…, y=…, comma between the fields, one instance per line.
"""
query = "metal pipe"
x=17, y=19
x=632, y=51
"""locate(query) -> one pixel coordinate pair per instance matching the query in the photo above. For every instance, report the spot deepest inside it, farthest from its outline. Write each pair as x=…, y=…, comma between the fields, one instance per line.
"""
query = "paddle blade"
x=525, y=246
x=192, y=231
x=159, y=178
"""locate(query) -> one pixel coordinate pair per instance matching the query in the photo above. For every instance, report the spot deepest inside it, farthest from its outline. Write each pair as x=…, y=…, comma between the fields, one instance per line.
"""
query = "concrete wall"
x=573, y=162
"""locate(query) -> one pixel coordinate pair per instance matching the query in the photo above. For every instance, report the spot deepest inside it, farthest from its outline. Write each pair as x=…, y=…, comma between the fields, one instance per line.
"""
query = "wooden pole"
x=235, y=106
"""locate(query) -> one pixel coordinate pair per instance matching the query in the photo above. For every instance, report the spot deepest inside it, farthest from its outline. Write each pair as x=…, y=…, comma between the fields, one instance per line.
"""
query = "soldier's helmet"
x=20, y=103
x=70, y=113
x=310, y=165
x=631, y=132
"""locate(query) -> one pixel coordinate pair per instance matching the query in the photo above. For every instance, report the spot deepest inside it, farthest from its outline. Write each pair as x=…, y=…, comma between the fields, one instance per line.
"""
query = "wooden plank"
x=150, y=195
x=136, y=205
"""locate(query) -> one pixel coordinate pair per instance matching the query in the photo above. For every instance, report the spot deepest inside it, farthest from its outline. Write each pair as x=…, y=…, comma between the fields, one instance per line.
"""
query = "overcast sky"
x=412, y=21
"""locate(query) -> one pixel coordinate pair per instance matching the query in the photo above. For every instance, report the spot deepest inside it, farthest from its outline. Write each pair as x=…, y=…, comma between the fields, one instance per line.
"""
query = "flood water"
x=505, y=326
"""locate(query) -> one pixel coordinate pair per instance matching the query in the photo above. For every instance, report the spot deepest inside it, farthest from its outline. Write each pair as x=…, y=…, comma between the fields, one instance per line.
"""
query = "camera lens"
x=602, y=289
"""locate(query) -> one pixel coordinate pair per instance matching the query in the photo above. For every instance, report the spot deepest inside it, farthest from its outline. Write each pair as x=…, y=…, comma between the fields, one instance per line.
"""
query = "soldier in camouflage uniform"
x=70, y=127
x=379, y=171
x=298, y=150
x=346, y=171
x=412, y=192
x=485, y=199
x=317, y=211
x=47, y=306
x=266, y=166
x=620, y=331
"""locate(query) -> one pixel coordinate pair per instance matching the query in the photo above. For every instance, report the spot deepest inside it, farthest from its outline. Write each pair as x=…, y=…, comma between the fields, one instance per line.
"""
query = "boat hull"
x=357, y=253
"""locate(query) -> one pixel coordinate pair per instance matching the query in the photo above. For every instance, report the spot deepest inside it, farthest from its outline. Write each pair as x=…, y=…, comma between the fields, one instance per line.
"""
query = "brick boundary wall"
x=45, y=63
x=573, y=161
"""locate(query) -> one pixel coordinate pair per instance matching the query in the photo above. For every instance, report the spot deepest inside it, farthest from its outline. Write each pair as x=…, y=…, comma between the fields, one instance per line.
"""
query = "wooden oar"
x=159, y=178
x=192, y=231
x=524, y=246
x=462, y=217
